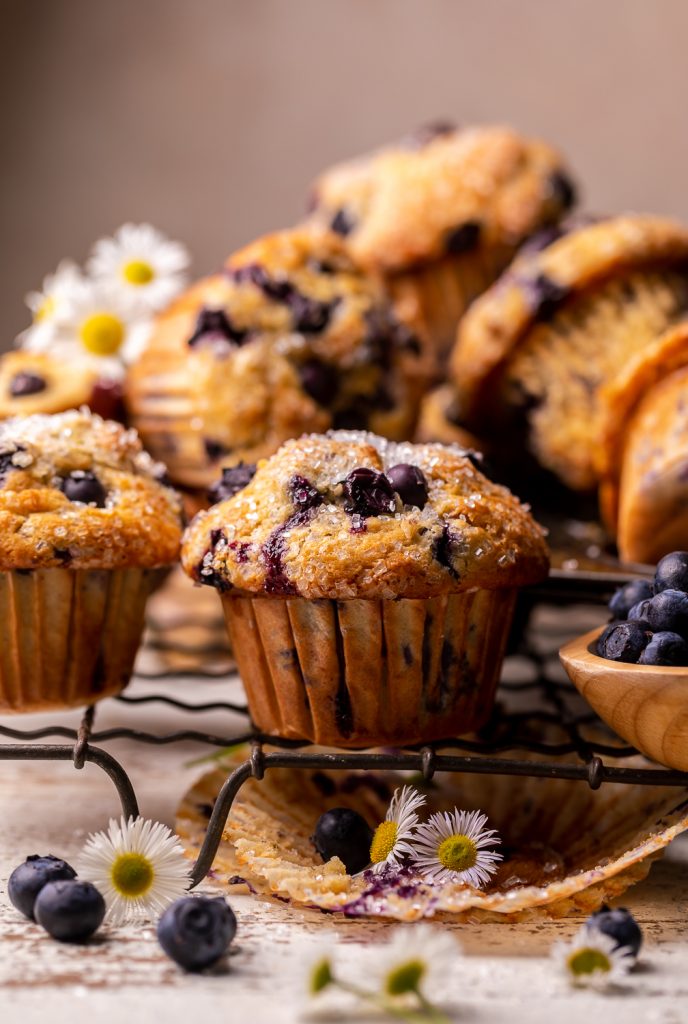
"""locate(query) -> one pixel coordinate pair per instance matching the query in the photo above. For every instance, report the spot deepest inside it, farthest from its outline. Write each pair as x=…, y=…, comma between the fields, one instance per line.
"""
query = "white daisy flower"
x=142, y=264
x=138, y=865
x=48, y=305
x=391, y=838
x=417, y=959
x=96, y=326
x=593, y=958
x=452, y=848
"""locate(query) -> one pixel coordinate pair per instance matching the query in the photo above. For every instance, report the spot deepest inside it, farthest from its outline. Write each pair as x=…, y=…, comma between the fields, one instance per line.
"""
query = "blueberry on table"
x=70, y=911
x=410, y=484
x=620, y=925
x=629, y=595
x=665, y=649
x=668, y=610
x=343, y=833
x=623, y=641
x=672, y=572
x=27, y=880
x=196, y=931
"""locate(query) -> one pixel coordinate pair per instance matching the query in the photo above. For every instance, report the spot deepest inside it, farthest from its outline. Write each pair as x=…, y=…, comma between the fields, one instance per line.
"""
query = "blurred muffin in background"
x=290, y=338
x=537, y=354
x=441, y=213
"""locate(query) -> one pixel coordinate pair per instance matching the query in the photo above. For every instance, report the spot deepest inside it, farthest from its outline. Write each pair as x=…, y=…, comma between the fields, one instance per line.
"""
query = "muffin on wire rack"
x=85, y=522
x=368, y=587
x=440, y=214
x=291, y=338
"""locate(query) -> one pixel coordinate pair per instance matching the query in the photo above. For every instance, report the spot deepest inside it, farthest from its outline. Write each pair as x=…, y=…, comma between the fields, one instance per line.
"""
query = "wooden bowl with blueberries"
x=634, y=671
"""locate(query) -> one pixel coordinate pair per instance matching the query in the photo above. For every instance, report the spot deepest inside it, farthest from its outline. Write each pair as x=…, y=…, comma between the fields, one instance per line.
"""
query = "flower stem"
x=421, y=1015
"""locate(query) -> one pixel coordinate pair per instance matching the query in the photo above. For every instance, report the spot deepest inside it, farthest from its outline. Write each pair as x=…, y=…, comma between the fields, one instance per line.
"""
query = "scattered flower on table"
x=454, y=847
x=138, y=865
x=392, y=839
x=592, y=958
x=405, y=971
x=142, y=265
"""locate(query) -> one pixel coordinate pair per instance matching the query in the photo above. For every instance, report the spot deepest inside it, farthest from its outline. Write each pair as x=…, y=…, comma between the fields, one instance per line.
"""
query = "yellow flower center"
x=102, y=334
x=405, y=978
x=46, y=309
x=457, y=853
x=586, y=961
x=383, y=841
x=138, y=272
x=321, y=976
x=132, y=875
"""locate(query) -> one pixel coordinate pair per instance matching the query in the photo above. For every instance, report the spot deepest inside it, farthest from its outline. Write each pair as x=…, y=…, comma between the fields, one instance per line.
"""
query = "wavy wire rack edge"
x=507, y=732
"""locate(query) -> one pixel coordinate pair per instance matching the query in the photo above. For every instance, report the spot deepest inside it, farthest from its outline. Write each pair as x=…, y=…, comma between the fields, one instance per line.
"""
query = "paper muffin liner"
x=69, y=637
x=435, y=295
x=567, y=848
x=364, y=672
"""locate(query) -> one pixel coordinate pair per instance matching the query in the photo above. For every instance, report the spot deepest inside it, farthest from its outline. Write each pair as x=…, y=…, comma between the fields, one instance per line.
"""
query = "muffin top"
x=78, y=491
x=291, y=338
x=36, y=382
x=350, y=515
x=546, y=274
x=443, y=190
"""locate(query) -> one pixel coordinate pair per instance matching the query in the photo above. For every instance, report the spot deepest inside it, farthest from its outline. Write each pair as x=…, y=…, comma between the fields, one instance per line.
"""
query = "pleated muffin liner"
x=362, y=673
x=69, y=637
x=437, y=294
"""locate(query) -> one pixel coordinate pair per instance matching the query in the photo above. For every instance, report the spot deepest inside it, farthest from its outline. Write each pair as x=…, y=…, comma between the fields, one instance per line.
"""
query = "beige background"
x=209, y=117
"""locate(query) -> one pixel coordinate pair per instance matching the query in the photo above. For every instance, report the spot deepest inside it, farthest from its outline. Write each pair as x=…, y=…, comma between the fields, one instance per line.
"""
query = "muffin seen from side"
x=441, y=213
x=290, y=338
x=537, y=352
x=368, y=587
x=85, y=523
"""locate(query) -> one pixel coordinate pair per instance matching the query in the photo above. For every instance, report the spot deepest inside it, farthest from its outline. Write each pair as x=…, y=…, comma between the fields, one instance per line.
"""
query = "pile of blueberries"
x=195, y=931
x=650, y=624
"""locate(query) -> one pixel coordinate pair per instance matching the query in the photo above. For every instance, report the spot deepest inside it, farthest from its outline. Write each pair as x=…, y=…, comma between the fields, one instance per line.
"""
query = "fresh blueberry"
x=319, y=380
x=25, y=383
x=666, y=611
x=233, y=480
x=672, y=572
x=84, y=486
x=639, y=612
x=70, y=911
x=368, y=493
x=345, y=834
x=629, y=595
x=620, y=925
x=623, y=641
x=196, y=931
x=27, y=880
x=665, y=649
x=410, y=484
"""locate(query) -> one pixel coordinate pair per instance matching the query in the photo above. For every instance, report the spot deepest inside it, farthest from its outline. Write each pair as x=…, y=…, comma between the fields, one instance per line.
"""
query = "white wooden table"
x=123, y=976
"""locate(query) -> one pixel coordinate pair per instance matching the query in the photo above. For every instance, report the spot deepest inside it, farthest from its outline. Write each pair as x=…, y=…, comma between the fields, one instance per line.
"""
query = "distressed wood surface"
x=504, y=974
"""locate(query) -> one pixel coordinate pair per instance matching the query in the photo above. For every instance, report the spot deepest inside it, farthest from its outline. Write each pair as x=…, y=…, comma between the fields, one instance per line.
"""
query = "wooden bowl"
x=647, y=705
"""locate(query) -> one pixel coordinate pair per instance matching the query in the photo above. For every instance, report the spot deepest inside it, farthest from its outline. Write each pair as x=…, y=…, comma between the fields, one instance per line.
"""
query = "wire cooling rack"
x=540, y=727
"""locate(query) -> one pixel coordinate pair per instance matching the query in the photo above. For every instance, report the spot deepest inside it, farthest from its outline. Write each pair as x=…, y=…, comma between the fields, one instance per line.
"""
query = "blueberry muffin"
x=85, y=520
x=441, y=213
x=35, y=382
x=644, y=490
x=536, y=351
x=368, y=586
x=290, y=338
